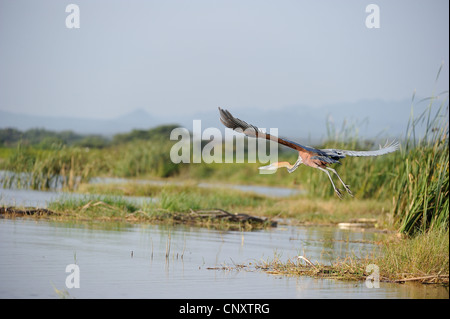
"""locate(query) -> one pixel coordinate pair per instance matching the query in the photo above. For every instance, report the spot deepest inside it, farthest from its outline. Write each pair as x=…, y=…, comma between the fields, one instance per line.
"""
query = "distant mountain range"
x=369, y=118
x=138, y=119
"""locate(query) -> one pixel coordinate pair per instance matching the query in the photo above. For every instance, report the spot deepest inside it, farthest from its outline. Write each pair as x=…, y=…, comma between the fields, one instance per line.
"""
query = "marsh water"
x=167, y=261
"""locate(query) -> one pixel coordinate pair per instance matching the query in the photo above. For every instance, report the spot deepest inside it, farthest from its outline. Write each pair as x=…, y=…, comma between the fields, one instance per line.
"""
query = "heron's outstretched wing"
x=386, y=149
x=250, y=130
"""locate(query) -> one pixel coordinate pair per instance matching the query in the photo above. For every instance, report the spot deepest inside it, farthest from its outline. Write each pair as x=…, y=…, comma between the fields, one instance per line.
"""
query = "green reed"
x=67, y=167
x=421, y=188
x=59, y=167
x=140, y=158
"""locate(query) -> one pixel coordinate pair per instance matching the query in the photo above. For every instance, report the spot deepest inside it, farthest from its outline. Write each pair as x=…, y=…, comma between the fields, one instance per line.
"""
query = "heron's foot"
x=347, y=188
x=338, y=193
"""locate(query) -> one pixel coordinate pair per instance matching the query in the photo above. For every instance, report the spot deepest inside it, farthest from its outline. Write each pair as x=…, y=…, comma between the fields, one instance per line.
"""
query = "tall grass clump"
x=424, y=254
x=421, y=187
x=140, y=158
x=68, y=166
x=59, y=167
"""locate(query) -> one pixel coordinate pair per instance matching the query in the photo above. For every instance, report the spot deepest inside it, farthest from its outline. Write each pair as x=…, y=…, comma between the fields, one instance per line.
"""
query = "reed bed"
x=421, y=187
x=59, y=167
x=414, y=179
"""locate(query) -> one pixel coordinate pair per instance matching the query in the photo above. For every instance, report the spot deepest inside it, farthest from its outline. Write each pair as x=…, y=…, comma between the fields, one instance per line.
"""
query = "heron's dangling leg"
x=337, y=191
x=347, y=188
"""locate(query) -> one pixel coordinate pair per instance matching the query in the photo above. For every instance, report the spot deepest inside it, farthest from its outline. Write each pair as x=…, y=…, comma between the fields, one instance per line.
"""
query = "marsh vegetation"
x=406, y=192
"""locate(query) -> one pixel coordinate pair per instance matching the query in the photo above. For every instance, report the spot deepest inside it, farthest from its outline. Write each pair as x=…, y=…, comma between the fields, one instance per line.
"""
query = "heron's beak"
x=271, y=167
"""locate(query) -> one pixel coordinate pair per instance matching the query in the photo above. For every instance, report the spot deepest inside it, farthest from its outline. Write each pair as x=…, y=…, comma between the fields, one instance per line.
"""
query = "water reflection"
x=133, y=261
x=9, y=180
x=37, y=198
x=41, y=199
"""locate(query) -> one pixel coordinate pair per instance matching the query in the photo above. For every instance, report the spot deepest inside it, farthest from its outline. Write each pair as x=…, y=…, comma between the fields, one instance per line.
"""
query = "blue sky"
x=182, y=57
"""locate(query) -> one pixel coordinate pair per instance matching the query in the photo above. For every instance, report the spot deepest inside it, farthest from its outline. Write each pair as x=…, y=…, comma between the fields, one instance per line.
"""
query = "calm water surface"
x=129, y=261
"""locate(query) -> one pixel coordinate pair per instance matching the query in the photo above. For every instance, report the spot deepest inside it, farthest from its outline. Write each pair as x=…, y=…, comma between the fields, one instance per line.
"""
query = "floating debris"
x=359, y=223
x=226, y=216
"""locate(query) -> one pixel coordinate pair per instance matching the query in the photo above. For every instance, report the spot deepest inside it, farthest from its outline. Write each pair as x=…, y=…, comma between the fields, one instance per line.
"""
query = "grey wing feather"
x=250, y=130
x=386, y=149
x=333, y=155
x=238, y=125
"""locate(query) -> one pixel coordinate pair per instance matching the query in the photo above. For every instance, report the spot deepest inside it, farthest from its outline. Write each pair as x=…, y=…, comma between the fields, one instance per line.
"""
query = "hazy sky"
x=182, y=56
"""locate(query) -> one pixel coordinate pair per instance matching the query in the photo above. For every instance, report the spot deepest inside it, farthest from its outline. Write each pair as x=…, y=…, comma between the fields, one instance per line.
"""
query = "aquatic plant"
x=421, y=187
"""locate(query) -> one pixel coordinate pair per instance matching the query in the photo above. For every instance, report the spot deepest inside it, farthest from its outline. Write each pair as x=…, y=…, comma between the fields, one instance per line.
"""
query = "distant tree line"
x=42, y=138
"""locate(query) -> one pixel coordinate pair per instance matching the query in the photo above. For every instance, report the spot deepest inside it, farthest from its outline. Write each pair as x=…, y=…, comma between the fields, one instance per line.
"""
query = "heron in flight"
x=307, y=155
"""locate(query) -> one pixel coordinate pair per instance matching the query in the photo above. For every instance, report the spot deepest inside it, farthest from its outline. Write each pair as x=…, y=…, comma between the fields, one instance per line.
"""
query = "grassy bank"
x=140, y=202
x=173, y=204
x=422, y=259
x=186, y=196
